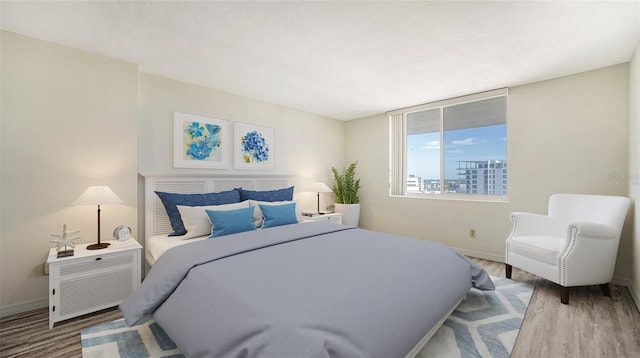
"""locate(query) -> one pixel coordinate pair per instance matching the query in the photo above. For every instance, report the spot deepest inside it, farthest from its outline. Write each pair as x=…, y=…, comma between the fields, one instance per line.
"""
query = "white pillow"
x=257, y=213
x=196, y=221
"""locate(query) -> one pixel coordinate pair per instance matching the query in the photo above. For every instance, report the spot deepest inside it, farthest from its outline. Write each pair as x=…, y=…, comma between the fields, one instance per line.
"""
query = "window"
x=452, y=148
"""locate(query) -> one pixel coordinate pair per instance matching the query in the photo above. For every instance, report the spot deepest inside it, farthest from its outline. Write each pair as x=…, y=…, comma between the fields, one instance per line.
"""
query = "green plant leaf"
x=346, y=186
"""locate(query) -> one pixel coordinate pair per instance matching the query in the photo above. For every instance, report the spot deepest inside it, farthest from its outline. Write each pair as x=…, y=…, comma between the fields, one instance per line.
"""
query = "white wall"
x=565, y=135
x=634, y=172
x=69, y=120
x=306, y=145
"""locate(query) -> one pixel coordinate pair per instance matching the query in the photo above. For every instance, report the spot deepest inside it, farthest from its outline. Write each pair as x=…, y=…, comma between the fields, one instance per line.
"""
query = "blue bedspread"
x=303, y=290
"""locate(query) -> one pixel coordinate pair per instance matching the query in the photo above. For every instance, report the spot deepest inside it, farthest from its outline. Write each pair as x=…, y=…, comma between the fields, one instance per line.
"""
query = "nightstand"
x=91, y=280
x=332, y=218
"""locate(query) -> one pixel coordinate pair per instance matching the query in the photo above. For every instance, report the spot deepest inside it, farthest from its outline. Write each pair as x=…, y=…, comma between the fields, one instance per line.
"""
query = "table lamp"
x=98, y=195
x=320, y=188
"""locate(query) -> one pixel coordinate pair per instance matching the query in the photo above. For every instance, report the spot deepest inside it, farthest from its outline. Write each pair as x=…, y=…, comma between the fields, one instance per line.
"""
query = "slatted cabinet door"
x=92, y=280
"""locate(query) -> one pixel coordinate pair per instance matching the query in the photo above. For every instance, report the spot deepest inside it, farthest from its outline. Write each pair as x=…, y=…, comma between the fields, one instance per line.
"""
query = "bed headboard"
x=156, y=221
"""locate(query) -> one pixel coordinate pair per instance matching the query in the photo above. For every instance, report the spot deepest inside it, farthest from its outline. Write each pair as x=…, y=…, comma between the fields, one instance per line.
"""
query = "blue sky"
x=482, y=143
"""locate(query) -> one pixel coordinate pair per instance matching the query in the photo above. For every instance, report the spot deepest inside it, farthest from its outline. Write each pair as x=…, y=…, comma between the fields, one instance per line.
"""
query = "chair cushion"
x=542, y=248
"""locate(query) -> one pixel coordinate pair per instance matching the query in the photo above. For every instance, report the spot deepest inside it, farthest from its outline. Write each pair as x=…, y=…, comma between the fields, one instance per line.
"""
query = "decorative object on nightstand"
x=320, y=188
x=98, y=195
x=66, y=241
x=122, y=233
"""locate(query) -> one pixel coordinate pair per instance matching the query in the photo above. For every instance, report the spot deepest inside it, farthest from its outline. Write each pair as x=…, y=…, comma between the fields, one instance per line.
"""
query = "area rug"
x=485, y=324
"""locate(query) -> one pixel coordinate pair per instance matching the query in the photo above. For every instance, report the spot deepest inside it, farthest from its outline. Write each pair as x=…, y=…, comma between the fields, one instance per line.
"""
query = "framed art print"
x=200, y=142
x=254, y=146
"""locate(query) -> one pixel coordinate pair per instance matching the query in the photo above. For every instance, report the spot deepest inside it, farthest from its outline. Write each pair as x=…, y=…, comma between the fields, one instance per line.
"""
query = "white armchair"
x=576, y=244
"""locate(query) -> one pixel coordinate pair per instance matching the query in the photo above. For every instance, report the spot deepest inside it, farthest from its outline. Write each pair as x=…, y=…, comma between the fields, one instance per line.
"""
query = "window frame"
x=398, y=149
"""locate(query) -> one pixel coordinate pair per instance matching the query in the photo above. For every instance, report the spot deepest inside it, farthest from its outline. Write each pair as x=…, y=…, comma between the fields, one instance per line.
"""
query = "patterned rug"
x=485, y=324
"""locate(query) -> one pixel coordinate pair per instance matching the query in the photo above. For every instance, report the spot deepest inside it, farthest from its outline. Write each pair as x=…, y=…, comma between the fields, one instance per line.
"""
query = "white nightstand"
x=92, y=280
x=332, y=218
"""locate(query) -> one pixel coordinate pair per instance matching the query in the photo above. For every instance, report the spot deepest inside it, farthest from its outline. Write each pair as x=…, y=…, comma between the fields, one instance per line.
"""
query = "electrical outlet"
x=472, y=233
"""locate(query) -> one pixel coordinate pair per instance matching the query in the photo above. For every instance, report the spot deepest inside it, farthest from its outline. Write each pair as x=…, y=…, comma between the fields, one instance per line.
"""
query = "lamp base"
x=102, y=245
x=65, y=253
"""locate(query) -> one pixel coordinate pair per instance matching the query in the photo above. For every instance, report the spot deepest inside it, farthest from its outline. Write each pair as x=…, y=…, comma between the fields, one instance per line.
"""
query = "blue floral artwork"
x=254, y=148
x=199, y=142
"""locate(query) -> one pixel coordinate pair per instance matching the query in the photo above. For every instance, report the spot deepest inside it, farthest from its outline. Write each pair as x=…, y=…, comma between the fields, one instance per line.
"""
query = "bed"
x=297, y=290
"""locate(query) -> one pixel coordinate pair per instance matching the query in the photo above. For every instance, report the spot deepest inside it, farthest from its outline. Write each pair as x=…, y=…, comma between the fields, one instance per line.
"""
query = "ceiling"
x=343, y=60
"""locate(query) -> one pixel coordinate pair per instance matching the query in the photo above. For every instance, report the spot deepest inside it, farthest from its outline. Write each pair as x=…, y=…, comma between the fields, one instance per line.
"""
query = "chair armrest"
x=589, y=254
x=594, y=230
x=528, y=224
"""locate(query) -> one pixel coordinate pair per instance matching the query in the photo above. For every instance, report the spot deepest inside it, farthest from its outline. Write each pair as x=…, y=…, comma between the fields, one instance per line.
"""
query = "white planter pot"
x=350, y=213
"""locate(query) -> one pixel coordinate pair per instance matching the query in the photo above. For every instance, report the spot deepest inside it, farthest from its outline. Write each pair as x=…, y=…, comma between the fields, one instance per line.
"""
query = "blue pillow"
x=266, y=195
x=276, y=215
x=227, y=222
x=172, y=200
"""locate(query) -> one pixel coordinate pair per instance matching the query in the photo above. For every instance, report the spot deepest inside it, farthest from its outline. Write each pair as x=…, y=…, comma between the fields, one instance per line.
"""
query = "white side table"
x=92, y=280
x=332, y=217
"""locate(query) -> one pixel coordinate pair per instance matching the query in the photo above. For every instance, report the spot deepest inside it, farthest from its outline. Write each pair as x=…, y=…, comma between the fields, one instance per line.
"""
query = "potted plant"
x=346, y=190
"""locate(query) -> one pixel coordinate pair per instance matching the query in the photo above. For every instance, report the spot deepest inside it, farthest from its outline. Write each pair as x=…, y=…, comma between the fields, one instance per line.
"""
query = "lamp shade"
x=320, y=188
x=98, y=195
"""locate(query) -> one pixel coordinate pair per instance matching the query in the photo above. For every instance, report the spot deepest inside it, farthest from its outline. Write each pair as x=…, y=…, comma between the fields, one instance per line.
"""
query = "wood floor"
x=592, y=325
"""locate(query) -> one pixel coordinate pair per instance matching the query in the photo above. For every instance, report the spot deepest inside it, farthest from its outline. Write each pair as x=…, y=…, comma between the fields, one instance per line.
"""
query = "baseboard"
x=30, y=305
x=635, y=295
x=480, y=255
x=620, y=281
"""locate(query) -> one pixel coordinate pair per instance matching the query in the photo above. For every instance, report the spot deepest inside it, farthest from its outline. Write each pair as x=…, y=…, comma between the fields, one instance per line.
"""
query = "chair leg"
x=507, y=269
x=564, y=295
x=606, y=290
